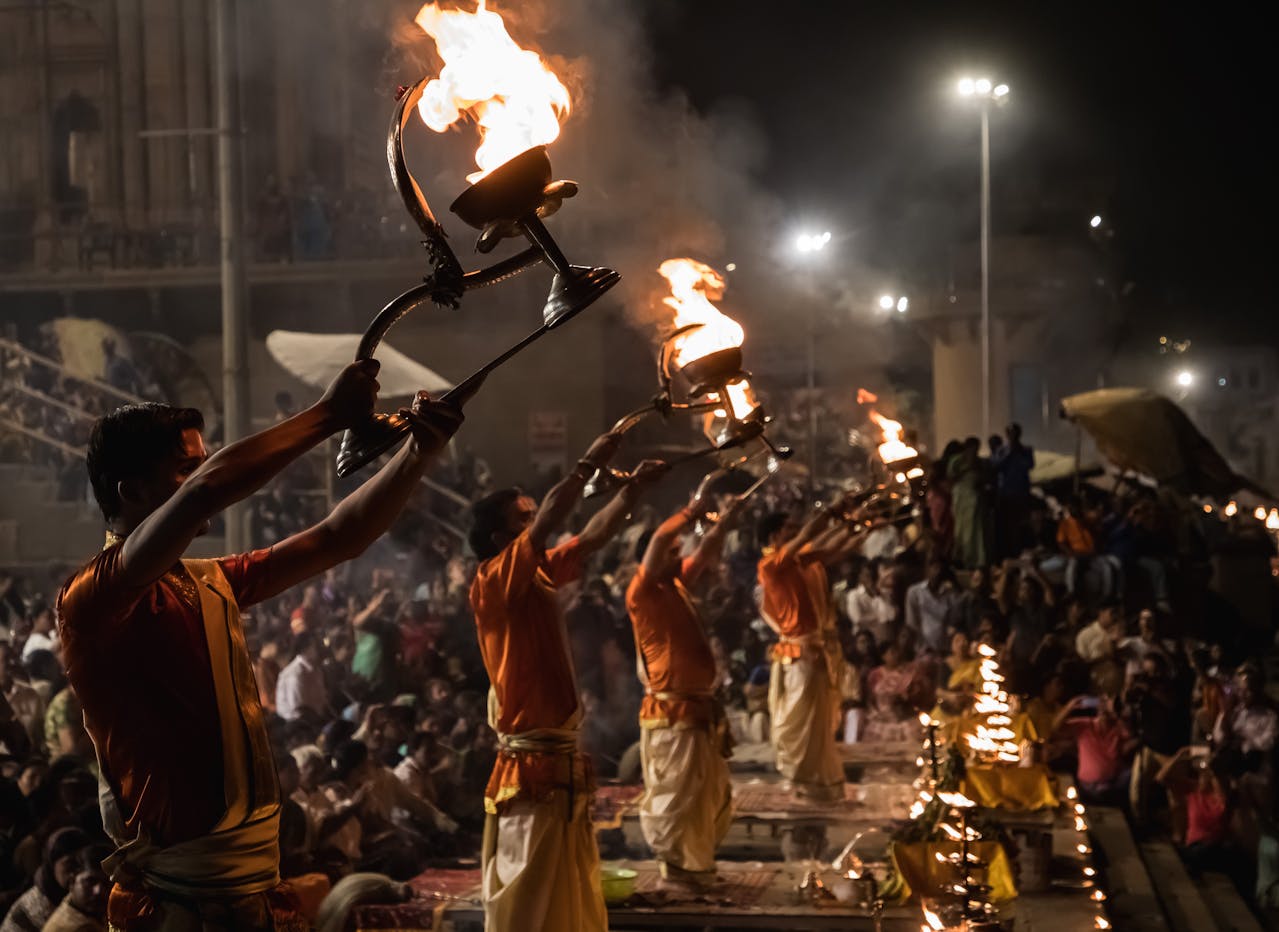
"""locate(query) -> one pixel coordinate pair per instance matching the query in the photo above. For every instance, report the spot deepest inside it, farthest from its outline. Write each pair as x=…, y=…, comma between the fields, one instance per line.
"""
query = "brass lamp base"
x=362, y=445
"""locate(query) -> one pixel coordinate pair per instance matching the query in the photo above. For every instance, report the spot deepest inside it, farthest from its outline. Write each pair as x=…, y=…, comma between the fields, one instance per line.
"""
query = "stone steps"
x=1183, y=902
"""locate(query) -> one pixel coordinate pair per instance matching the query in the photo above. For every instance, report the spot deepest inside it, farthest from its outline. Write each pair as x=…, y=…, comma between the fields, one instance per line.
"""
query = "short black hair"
x=128, y=442
x=304, y=640
x=488, y=516
x=769, y=525
x=347, y=757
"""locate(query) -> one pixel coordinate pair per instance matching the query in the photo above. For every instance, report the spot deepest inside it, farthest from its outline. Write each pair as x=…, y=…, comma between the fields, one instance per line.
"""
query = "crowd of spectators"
x=1141, y=678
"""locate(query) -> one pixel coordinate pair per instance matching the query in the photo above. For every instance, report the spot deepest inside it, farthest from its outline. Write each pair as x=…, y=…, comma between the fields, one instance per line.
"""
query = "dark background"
x=1158, y=118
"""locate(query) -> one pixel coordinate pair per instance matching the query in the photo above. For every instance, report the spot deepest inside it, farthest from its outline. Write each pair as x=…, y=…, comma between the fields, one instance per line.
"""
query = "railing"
x=41, y=437
x=33, y=356
x=190, y=238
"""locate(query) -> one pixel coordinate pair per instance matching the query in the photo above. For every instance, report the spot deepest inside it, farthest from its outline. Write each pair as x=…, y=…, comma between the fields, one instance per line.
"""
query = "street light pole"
x=807, y=243
x=985, y=269
x=235, y=342
x=812, y=399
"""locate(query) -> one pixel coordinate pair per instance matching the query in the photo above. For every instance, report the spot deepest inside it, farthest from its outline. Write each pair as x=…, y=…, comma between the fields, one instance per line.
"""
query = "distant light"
x=1260, y=513
x=886, y=302
x=811, y=242
x=902, y=305
x=1221, y=382
x=731, y=267
x=1163, y=341
x=1095, y=221
x=1185, y=378
x=1001, y=90
x=1231, y=509
x=966, y=87
x=982, y=85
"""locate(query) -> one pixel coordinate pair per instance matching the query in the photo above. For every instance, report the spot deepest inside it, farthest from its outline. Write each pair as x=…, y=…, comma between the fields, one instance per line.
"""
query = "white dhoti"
x=542, y=869
x=687, y=804
x=804, y=706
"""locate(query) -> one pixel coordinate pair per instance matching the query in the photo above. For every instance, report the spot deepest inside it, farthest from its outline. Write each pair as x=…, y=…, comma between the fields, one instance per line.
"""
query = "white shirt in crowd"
x=927, y=612
x=1255, y=728
x=871, y=611
x=299, y=689
x=1094, y=643
x=37, y=641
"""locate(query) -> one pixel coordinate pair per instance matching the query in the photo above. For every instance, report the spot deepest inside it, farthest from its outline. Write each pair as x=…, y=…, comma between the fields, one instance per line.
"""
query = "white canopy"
x=317, y=358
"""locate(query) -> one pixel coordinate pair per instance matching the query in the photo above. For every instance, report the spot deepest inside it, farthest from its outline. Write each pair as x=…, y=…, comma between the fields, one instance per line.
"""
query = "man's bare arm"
x=711, y=548
x=238, y=470
x=366, y=514
x=609, y=520
x=811, y=529
x=563, y=498
x=665, y=536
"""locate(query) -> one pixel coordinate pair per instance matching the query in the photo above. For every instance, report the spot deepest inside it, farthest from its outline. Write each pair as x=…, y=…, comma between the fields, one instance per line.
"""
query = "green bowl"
x=618, y=884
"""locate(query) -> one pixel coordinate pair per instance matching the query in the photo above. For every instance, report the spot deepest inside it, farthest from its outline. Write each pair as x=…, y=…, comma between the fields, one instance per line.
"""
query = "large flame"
x=514, y=98
x=694, y=285
x=893, y=449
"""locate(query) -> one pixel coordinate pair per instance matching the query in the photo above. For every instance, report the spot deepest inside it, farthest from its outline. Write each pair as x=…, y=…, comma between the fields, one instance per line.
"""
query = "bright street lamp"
x=1095, y=222
x=986, y=91
x=812, y=242
x=1185, y=378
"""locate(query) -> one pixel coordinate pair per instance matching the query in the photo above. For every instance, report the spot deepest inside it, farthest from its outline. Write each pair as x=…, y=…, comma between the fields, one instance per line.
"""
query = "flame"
x=1272, y=520
x=694, y=285
x=515, y=99
x=958, y=800
x=1260, y=513
x=1232, y=509
x=933, y=920
x=893, y=448
x=866, y=397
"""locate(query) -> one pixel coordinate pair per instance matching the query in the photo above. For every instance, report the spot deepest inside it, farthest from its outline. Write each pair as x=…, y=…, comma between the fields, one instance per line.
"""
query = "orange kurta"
x=139, y=662
x=795, y=600
x=675, y=652
x=525, y=648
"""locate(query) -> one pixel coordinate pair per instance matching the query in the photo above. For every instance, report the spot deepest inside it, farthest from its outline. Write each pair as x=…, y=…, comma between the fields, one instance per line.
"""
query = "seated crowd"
x=1103, y=609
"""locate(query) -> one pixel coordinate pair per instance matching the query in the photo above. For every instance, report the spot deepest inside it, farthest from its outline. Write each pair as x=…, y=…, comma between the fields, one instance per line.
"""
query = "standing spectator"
x=1012, y=463
x=1160, y=723
x=300, y=691
x=274, y=225
x=118, y=370
x=929, y=605
x=1029, y=623
x=968, y=492
x=375, y=647
x=868, y=608
x=941, y=515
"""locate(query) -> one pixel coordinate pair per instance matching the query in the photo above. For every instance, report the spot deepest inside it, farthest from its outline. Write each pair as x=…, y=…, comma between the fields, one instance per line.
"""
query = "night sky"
x=1159, y=119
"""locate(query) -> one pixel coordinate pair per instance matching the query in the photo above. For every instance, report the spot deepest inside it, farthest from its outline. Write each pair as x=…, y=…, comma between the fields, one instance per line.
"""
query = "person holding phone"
x=1104, y=746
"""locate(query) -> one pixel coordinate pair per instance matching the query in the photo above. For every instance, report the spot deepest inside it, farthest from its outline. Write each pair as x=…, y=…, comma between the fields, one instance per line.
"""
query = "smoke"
x=658, y=179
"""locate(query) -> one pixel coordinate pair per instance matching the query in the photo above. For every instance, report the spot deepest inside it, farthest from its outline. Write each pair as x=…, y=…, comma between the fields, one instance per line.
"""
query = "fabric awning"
x=317, y=358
